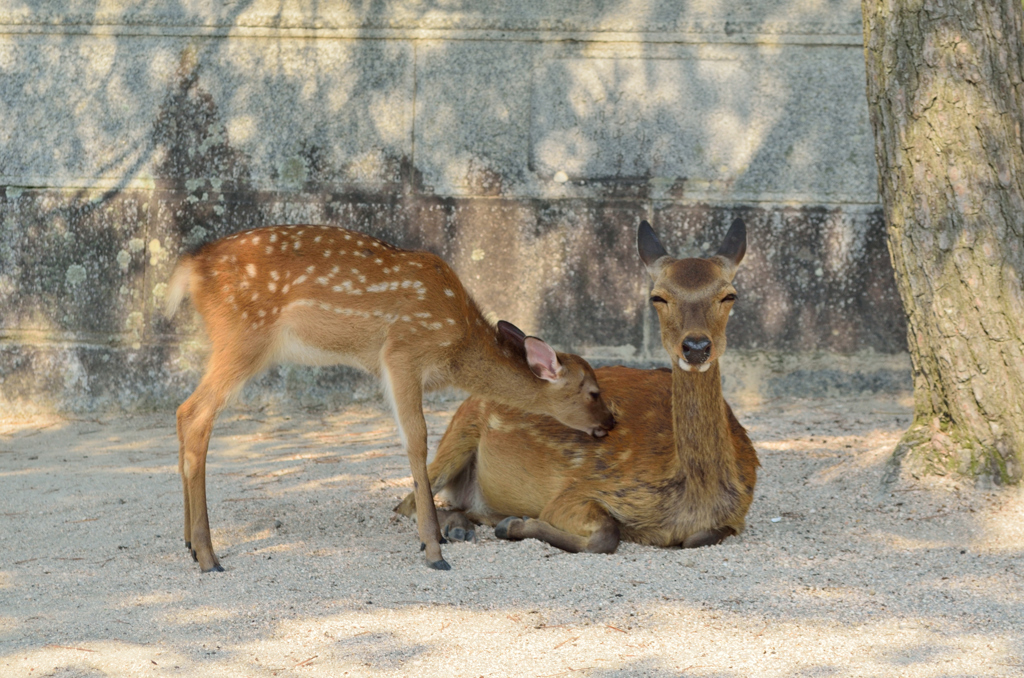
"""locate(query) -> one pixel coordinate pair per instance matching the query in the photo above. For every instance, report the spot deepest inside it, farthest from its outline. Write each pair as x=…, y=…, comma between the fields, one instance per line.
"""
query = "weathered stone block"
x=72, y=264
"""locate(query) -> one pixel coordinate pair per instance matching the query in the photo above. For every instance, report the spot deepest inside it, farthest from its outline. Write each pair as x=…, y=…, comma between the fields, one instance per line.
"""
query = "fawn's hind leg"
x=226, y=374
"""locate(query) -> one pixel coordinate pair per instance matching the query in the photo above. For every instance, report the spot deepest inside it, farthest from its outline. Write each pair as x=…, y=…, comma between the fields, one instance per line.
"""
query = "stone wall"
x=521, y=141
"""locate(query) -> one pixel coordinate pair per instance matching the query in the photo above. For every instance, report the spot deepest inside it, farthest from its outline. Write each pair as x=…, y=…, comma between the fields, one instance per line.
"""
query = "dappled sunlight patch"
x=1002, y=528
x=404, y=482
x=199, y=615
x=329, y=482
x=7, y=624
x=163, y=598
x=375, y=453
x=904, y=543
x=21, y=427
x=95, y=658
x=275, y=548
x=19, y=472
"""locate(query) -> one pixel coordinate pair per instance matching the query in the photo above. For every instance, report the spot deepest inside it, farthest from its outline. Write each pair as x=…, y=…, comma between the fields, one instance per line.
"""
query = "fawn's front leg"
x=406, y=395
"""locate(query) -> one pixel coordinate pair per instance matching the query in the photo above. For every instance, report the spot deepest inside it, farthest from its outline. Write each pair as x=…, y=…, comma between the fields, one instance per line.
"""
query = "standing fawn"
x=665, y=476
x=320, y=295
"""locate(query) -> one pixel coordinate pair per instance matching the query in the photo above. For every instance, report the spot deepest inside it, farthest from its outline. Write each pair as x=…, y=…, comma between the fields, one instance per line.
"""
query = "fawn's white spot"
x=318, y=238
x=448, y=292
x=272, y=286
x=250, y=269
x=269, y=249
x=255, y=296
x=422, y=314
x=301, y=279
x=274, y=275
x=378, y=261
x=445, y=343
x=284, y=290
x=296, y=244
x=322, y=280
x=327, y=253
x=451, y=321
x=273, y=237
x=406, y=318
x=261, y=313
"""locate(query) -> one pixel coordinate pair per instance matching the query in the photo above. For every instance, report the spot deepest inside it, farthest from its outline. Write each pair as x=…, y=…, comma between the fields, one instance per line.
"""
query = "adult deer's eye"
x=658, y=300
x=729, y=297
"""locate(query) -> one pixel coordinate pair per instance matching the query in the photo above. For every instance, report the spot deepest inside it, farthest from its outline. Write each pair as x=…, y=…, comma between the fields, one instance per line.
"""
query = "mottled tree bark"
x=946, y=99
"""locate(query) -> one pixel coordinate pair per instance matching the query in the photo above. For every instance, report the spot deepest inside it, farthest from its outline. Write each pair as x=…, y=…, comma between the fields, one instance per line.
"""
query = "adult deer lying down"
x=667, y=476
x=321, y=295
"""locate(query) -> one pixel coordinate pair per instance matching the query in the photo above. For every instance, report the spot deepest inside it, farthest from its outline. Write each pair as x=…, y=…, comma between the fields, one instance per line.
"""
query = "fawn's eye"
x=658, y=300
x=729, y=297
x=594, y=395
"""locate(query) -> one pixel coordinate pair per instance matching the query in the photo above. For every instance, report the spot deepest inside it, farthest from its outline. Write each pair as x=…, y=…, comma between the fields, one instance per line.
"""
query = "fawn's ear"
x=732, y=249
x=650, y=249
x=542, y=359
x=511, y=332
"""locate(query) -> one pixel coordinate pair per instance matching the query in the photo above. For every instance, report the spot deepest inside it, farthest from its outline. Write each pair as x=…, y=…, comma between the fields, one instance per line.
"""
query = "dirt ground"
x=832, y=578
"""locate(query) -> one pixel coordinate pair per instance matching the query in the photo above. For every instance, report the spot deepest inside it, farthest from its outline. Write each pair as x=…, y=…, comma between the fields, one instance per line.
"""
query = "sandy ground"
x=832, y=578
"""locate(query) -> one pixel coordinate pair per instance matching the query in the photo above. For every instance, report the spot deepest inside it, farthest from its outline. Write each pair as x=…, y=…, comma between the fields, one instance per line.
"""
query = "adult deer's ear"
x=542, y=359
x=650, y=249
x=512, y=333
x=732, y=249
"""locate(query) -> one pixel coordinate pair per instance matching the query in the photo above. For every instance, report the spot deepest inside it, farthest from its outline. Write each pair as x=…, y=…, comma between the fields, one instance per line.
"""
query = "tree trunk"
x=945, y=95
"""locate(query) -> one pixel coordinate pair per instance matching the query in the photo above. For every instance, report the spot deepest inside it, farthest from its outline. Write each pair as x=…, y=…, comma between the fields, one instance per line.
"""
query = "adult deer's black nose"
x=696, y=350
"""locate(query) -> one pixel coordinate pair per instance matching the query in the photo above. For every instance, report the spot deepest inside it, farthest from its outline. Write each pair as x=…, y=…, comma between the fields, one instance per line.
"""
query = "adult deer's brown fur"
x=667, y=475
x=322, y=295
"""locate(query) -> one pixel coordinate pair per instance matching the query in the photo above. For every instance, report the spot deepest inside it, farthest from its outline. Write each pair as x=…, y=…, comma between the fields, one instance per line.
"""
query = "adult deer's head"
x=693, y=297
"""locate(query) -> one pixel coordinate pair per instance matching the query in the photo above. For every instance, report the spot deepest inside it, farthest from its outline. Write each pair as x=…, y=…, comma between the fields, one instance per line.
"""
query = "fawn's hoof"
x=216, y=568
x=439, y=565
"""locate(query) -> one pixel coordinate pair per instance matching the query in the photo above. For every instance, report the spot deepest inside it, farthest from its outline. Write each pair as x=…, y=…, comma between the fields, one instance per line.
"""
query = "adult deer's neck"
x=491, y=366
x=699, y=420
